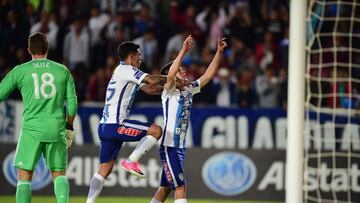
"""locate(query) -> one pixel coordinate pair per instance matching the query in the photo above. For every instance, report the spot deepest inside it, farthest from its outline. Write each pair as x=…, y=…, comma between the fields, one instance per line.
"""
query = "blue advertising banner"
x=210, y=127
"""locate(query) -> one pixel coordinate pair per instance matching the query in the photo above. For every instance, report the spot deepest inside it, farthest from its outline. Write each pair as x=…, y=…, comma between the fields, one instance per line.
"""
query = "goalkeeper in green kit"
x=45, y=86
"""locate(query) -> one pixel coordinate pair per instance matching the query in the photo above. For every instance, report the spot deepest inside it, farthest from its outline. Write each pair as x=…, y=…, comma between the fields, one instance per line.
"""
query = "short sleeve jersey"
x=121, y=92
x=44, y=85
x=176, y=109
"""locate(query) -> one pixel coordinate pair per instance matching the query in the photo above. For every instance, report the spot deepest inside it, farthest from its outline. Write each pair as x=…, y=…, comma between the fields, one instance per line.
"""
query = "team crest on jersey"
x=128, y=131
x=181, y=176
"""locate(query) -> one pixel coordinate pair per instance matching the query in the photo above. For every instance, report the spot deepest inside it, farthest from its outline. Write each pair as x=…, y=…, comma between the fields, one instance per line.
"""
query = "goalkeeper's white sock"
x=96, y=185
x=180, y=201
x=145, y=144
x=155, y=201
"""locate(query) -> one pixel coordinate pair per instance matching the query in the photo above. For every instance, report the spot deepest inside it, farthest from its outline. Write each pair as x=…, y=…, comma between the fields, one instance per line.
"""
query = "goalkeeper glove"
x=69, y=134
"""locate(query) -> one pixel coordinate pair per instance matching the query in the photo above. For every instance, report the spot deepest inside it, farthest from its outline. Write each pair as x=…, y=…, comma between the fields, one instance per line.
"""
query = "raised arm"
x=170, y=81
x=214, y=65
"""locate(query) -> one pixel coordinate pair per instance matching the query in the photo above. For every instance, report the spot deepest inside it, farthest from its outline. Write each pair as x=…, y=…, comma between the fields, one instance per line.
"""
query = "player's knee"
x=155, y=131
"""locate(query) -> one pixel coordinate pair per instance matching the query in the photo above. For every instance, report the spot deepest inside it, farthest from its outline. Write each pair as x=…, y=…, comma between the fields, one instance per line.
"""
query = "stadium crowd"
x=84, y=35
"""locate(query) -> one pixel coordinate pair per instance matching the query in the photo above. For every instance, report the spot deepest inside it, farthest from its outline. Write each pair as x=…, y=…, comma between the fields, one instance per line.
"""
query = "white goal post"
x=296, y=98
x=323, y=146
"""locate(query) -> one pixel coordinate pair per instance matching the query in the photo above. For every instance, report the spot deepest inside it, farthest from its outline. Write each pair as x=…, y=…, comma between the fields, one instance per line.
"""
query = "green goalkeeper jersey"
x=45, y=86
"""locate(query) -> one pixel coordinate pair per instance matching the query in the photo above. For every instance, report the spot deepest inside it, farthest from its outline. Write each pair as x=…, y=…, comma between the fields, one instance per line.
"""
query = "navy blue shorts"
x=172, y=160
x=112, y=137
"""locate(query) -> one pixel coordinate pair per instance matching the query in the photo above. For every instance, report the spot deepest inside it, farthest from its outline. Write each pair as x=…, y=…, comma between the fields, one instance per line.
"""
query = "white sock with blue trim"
x=144, y=145
x=180, y=201
x=155, y=201
x=96, y=185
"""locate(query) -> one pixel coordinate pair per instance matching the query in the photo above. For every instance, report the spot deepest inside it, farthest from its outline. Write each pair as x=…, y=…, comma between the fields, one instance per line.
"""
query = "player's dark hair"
x=127, y=48
x=165, y=69
x=38, y=44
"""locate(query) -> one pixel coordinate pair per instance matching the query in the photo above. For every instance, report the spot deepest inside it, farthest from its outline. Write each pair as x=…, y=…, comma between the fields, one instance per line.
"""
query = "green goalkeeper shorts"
x=29, y=150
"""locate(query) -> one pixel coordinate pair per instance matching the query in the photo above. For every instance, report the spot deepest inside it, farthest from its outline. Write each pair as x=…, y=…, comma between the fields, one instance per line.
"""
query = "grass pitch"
x=48, y=199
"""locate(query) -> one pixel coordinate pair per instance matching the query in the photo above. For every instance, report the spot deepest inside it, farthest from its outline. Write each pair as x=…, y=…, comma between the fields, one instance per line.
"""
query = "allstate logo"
x=229, y=173
x=41, y=176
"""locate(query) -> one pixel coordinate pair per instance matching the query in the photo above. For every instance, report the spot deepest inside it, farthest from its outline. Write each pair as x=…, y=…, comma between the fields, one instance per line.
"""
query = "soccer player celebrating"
x=115, y=127
x=44, y=85
x=176, y=108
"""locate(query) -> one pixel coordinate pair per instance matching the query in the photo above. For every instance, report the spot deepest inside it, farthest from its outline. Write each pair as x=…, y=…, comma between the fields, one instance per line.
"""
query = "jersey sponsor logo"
x=167, y=172
x=229, y=173
x=41, y=177
x=129, y=131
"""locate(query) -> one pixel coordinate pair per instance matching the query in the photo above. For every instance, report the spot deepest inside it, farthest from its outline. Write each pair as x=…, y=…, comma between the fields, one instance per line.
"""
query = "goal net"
x=332, y=104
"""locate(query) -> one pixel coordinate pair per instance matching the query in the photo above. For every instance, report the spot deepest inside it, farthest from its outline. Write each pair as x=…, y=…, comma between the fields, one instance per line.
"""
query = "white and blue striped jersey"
x=176, y=109
x=120, y=93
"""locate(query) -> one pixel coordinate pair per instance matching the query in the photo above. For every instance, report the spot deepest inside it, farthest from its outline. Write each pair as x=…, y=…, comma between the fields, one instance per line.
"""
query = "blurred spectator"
x=267, y=52
x=216, y=25
x=113, y=42
x=86, y=34
x=97, y=85
x=246, y=95
x=236, y=53
x=175, y=43
x=224, y=88
x=48, y=26
x=97, y=27
x=240, y=24
x=96, y=23
x=119, y=21
x=12, y=37
x=283, y=83
x=64, y=9
x=143, y=20
x=284, y=16
x=96, y=88
x=284, y=48
x=185, y=18
x=77, y=45
x=275, y=25
x=116, y=5
x=148, y=48
x=80, y=76
x=267, y=88
x=30, y=18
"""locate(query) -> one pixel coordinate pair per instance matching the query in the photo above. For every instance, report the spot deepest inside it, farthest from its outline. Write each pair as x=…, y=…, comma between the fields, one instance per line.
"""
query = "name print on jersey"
x=41, y=64
x=128, y=131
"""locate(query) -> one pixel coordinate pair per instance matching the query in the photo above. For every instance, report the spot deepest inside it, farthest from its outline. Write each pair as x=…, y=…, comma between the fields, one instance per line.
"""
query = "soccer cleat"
x=132, y=167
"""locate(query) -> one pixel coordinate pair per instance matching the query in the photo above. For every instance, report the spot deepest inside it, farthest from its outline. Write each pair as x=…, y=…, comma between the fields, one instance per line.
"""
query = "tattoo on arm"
x=155, y=80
